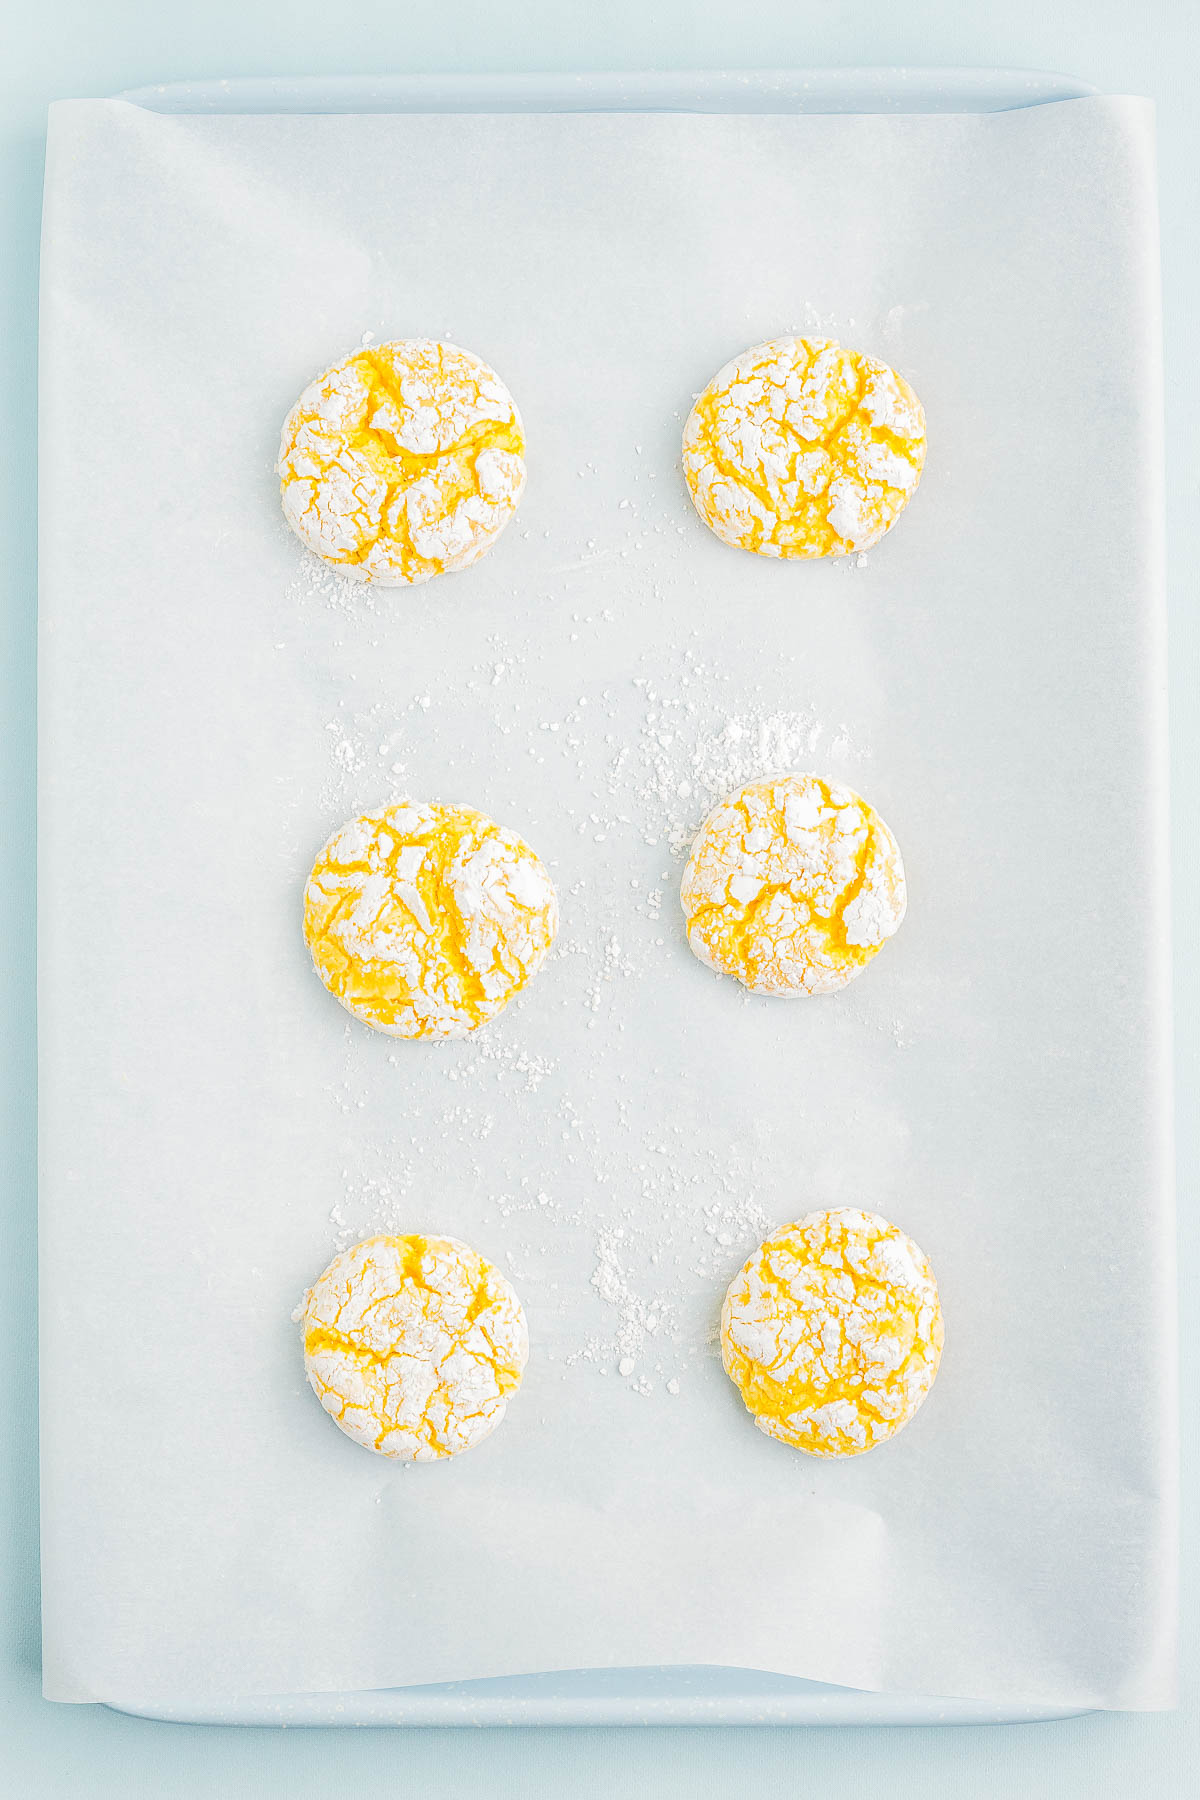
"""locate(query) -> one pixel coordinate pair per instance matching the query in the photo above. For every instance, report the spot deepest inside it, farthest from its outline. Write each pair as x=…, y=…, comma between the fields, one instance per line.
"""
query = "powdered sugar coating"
x=801, y=448
x=425, y=920
x=402, y=461
x=832, y=1332
x=793, y=885
x=412, y=1345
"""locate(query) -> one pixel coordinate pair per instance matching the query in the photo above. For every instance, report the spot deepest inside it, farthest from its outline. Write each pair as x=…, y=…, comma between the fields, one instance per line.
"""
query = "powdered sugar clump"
x=687, y=770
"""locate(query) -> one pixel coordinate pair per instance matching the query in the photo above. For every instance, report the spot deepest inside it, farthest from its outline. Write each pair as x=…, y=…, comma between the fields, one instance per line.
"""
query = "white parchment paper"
x=213, y=705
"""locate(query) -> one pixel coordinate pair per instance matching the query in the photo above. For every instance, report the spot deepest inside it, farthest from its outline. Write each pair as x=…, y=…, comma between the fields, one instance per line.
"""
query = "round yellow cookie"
x=832, y=1332
x=793, y=884
x=424, y=921
x=402, y=461
x=801, y=448
x=413, y=1344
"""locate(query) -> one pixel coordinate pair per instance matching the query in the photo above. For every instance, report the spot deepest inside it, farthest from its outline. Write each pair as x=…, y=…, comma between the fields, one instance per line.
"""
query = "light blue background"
x=58, y=48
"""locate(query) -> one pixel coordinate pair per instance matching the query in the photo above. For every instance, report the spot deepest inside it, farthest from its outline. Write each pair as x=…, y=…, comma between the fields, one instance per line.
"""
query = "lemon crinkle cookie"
x=801, y=448
x=413, y=1344
x=426, y=920
x=793, y=884
x=832, y=1332
x=402, y=461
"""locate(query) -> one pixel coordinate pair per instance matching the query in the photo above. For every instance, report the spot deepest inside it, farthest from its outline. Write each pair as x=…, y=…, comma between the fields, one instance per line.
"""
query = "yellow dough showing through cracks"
x=424, y=921
x=402, y=461
x=832, y=1332
x=412, y=1345
x=801, y=448
x=793, y=885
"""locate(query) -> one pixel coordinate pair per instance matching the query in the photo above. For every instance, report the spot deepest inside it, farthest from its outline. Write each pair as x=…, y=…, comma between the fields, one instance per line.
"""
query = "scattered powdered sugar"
x=640, y=1316
x=687, y=768
x=655, y=1268
x=319, y=583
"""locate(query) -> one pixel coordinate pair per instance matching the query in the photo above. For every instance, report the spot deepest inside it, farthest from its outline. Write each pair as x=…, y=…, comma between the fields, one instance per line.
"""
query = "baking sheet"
x=212, y=704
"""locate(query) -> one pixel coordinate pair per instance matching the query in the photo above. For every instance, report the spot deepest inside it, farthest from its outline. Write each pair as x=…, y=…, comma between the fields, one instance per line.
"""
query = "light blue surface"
x=66, y=49
x=840, y=90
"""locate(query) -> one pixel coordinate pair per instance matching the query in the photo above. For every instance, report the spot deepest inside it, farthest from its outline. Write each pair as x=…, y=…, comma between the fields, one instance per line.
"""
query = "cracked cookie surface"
x=402, y=461
x=426, y=920
x=801, y=448
x=832, y=1332
x=793, y=884
x=413, y=1344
